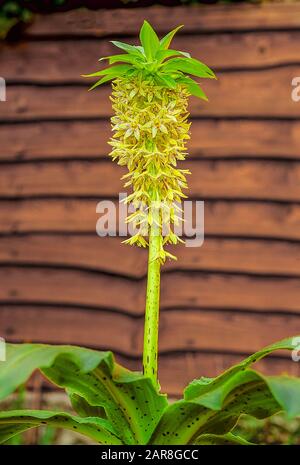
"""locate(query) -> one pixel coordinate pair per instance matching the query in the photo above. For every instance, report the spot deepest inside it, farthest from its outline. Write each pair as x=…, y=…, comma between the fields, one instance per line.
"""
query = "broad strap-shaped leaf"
x=83, y=408
x=185, y=421
x=23, y=359
x=18, y=421
x=131, y=403
x=129, y=399
x=225, y=439
x=286, y=390
x=213, y=406
x=213, y=390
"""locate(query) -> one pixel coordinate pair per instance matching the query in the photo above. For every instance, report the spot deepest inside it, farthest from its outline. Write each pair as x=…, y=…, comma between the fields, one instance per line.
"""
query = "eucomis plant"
x=151, y=84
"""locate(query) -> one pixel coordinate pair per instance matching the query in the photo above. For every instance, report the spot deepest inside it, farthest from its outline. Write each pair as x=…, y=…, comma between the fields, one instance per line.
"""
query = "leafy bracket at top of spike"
x=154, y=58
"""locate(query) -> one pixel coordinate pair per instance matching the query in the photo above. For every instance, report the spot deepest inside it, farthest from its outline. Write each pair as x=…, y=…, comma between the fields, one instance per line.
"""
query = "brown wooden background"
x=60, y=283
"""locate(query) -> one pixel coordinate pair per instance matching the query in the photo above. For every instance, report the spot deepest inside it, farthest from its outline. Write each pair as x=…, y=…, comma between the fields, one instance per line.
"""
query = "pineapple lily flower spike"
x=150, y=100
x=113, y=405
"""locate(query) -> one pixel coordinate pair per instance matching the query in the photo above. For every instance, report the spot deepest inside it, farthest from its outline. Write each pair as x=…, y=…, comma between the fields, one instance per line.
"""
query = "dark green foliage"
x=12, y=13
x=117, y=406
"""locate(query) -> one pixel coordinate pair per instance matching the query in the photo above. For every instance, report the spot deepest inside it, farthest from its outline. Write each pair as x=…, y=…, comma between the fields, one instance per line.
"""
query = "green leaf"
x=193, y=87
x=136, y=50
x=189, y=66
x=184, y=421
x=109, y=74
x=5, y=25
x=98, y=389
x=212, y=391
x=24, y=359
x=18, y=421
x=117, y=70
x=161, y=55
x=102, y=81
x=149, y=40
x=286, y=390
x=166, y=41
x=213, y=406
x=167, y=81
x=123, y=57
x=83, y=408
x=225, y=439
x=131, y=403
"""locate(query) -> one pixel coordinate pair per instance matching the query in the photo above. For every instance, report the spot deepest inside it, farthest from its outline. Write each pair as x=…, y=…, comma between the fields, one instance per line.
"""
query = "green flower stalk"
x=150, y=93
x=151, y=130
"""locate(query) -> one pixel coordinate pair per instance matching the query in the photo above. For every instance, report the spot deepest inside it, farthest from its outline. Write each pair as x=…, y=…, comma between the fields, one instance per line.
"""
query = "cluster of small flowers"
x=150, y=134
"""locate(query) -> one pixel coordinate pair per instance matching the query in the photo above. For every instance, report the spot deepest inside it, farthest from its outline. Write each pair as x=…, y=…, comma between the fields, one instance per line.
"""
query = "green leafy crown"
x=153, y=58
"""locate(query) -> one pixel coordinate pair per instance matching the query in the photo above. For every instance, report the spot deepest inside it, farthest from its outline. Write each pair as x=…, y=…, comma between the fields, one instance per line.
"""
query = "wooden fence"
x=60, y=283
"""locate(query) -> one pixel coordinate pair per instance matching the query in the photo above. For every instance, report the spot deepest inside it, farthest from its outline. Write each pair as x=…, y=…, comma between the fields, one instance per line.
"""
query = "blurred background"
x=61, y=283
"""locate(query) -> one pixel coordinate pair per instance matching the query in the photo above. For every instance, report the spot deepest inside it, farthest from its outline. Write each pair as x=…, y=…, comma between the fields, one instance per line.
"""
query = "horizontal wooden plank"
x=237, y=93
x=179, y=290
x=238, y=218
x=238, y=138
x=44, y=62
x=108, y=254
x=54, y=102
x=198, y=18
x=179, y=330
x=52, y=140
x=263, y=180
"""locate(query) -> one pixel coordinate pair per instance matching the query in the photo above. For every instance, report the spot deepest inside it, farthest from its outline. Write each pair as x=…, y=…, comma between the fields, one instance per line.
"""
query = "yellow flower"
x=149, y=138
